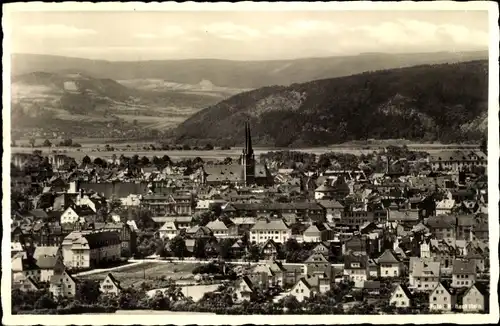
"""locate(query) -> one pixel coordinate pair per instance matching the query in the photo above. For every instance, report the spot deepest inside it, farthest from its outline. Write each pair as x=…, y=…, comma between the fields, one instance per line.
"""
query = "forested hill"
x=446, y=102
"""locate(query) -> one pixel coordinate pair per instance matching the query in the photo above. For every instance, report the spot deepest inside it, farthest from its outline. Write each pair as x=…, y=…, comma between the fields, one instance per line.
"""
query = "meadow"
x=147, y=271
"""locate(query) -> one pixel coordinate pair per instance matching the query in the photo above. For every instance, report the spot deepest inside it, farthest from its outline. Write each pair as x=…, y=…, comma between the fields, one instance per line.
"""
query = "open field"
x=136, y=148
x=138, y=273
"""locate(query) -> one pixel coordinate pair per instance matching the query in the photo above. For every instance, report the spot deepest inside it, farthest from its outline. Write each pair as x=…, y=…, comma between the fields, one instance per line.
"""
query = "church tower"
x=248, y=158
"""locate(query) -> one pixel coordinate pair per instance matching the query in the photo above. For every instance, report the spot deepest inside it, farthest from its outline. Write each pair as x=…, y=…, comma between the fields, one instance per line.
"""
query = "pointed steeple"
x=249, y=140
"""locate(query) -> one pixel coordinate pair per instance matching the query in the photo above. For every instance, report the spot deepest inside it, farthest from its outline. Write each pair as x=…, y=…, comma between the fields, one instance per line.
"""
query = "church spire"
x=249, y=141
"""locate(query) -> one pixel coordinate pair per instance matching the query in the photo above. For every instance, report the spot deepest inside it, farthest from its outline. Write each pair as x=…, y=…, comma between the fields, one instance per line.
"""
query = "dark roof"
x=114, y=280
x=388, y=257
x=46, y=262
x=371, y=285
x=464, y=266
x=97, y=239
x=118, y=189
x=350, y=259
x=405, y=290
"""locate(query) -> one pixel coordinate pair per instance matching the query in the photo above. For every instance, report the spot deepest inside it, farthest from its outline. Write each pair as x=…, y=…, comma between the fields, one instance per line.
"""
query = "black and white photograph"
x=250, y=163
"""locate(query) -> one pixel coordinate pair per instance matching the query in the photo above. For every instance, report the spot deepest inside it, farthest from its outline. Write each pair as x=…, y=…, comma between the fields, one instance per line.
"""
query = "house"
x=46, y=265
x=356, y=269
x=401, y=297
x=24, y=268
x=390, y=266
x=110, y=285
x=316, y=264
x=463, y=273
x=317, y=232
x=332, y=208
x=302, y=290
x=266, y=229
x=445, y=206
x=425, y=274
x=478, y=258
x=62, y=285
x=442, y=298
x=322, y=248
x=475, y=299
x=74, y=214
x=373, y=268
x=88, y=249
x=27, y=284
x=372, y=287
x=219, y=229
x=199, y=232
x=269, y=250
x=127, y=232
x=244, y=289
x=168, y=230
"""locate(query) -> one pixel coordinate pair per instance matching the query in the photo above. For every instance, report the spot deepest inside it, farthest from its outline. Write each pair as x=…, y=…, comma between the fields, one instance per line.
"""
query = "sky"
x=128, y=36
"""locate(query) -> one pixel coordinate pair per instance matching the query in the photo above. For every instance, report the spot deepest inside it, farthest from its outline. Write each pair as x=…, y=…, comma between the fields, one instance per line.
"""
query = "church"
x=246, y=172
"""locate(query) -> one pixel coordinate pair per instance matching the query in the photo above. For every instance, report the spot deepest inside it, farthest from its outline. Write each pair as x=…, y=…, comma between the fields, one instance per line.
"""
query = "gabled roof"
x=388, y=257
x=216, y=225
x=405, y=290
x=114, y=280
x=316, y=258
x=349, y=260
x=464, y=266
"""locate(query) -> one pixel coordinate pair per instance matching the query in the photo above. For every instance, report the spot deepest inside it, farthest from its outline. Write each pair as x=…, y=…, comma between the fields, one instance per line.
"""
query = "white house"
x=75, y=214
x=441, y=299
x=110, y=285
x=401, y=297
x=219, y=229
x=89, y=248
x=475, y=299
x=390, y=266
x=168, y=230
x=266, y=229
x=63, y=285
x=424, y=274
x=302, y=290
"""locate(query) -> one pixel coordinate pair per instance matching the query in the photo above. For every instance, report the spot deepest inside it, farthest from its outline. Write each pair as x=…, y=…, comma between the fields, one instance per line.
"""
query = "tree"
x=178, y=247
x=45, y=302
x=291, y=304
x=225, y=249
x=186, y=147
x=253, y=253
x=88, y=291
x=484, y=145
x=86, y=160
x=100, y=162
x=32, y=142
x=144, y=161
x=47, y=143
x=227, y=161
x=199, y=248
x=208, y=147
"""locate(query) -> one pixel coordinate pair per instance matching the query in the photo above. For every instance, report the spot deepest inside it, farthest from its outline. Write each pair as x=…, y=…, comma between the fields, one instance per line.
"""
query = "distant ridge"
x=445, y=102
x=236, y=74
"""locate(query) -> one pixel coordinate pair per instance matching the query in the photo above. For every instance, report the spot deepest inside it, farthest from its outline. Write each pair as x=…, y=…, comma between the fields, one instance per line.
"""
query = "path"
x=97, y=271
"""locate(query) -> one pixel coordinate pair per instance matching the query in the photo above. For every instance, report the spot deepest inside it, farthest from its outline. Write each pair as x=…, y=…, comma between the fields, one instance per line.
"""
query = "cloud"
x=303, y=28
x=57, y=30
x=231, y=31
x=422, y=33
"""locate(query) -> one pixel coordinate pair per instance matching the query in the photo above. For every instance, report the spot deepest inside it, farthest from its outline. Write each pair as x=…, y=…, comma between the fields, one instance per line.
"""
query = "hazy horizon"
x=245, y=36
x=247, y=60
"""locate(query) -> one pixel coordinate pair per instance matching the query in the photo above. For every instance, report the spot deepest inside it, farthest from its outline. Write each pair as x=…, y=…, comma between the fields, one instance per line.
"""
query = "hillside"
x=49, y=102
x=236, y=74
x=446, y=102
